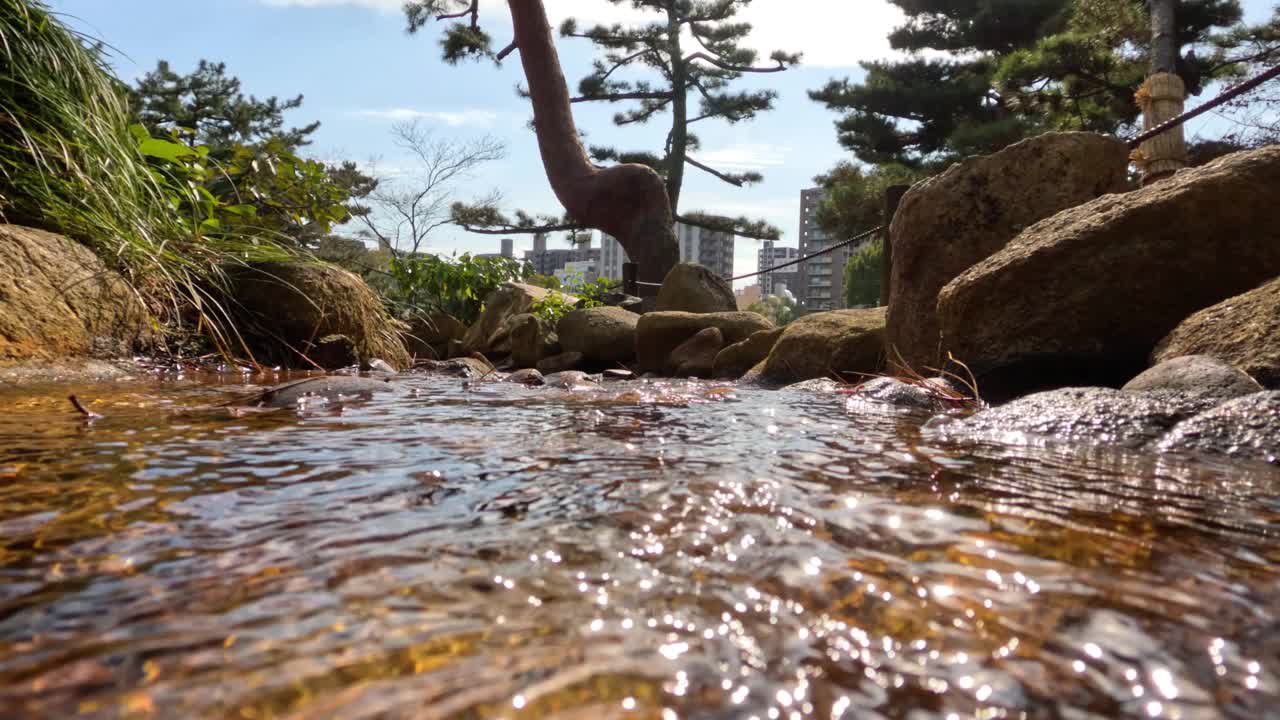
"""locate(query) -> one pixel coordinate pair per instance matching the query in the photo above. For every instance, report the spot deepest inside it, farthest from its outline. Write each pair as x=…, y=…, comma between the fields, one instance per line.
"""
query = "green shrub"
x=425, y=283
x=862, y=275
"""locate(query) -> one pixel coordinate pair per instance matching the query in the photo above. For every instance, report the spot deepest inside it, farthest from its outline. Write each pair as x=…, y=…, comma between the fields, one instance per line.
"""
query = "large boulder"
x=1243, y=330
x=690, y=287
x=658, y=333
x=737, y=359
x=305, y=314
x=1085, y=295
x=947, y=223
x=489, y=334
x=57, y=299
x=1244, y=428
x=827, y=344
x=604, y=335
x=429, y=335
x=696, y=356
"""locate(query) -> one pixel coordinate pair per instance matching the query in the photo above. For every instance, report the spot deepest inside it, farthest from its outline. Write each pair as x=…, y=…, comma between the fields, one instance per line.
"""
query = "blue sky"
x=358, y=70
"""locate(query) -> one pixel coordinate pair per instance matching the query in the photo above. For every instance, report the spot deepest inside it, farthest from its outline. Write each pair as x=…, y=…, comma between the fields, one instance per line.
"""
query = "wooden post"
x=630, y=278
x=892, y=198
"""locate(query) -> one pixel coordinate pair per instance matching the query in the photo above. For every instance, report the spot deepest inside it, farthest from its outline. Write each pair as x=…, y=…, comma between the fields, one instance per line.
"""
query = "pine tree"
x=1016, y=67
x=703, y=70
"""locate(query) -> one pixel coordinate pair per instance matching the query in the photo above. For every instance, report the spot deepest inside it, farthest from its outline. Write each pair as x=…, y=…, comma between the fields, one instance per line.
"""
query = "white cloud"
x=830, y=33
x=744, y=157
x=470, y=118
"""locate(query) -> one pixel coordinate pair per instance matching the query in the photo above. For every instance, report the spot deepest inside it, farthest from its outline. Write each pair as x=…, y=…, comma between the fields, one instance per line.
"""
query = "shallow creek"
x=660, y=550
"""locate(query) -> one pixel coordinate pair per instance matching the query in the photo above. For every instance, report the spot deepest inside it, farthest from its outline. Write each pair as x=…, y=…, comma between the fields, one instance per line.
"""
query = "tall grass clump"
x=70, y=163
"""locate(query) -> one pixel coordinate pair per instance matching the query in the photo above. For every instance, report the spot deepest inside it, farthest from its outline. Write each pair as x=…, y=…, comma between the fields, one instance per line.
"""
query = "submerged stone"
x=1244, y=428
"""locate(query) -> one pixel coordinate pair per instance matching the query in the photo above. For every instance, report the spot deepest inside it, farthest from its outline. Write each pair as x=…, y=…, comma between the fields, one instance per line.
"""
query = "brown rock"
x=1197, y=376
x=57, y=299
x=488, y=334
x=1243, y=330
x=658, y=333
x=604, y=335
x=560, y=363
x=821, y=345
x=531, y=340
x=950, y=222
x=429, y=335
x=696, y=356
x=690, y=287
x=737, y=359
x=295, y=312
x=1085, y=295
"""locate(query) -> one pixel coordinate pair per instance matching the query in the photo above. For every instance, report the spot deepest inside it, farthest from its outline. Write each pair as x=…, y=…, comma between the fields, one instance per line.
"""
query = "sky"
x=359, y=72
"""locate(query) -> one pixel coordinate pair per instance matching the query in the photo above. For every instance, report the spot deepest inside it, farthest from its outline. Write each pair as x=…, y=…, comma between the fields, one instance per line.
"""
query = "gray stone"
x=464, y=367
x=1073, y=415
x=1085, y=295
x=317, y=391
x=820, y=386
x=690, y=287
x=531, y=340
x=947, y=223
x=489, y=333
x=528, y=376
x=572, y=380
x=892, y=391
x=1244, y=428
x=1198, y=376
x=696, y=356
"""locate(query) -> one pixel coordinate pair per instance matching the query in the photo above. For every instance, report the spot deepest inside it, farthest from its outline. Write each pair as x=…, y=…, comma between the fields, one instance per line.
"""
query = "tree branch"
x=518, y=230
x=617, y=97
x=737, y=182
x=732, y=68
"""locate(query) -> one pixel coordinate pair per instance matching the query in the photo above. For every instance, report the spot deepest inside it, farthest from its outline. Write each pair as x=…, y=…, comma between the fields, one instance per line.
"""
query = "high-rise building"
x=508, y=250
x=710, y=248
x=772, y=255
x=547, y=262
x=820, y=282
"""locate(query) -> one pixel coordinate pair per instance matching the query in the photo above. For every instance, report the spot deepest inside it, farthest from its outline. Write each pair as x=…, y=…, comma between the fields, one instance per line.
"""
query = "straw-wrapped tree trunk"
x=1162, y=95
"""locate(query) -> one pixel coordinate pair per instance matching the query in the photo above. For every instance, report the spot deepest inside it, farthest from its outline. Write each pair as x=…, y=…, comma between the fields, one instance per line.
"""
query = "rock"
x=559, y=363
x=619, y=374
x=572, y=380
x=528, y=376
x=895, y=392
x=295, y=311
x=696, y=356
x=1089, y=292
x=463, y=367
x=828, y=343
x=658, y=333
x=378, y=365
x=603, y=335
x=57, y=299
x=1197, y=376
x=690, y=287
x=949, y=222
x=1244, y=428
x=318, y=391
x=1243, y=330
x=820, y=386
x=737, y=359
x=430, y=335
x=531, y=340
x=627, y=302
x=1073, y=415
x=488, y=334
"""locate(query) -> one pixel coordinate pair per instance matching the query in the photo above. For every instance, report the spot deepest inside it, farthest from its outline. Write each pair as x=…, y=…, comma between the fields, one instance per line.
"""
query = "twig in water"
x=75, y=402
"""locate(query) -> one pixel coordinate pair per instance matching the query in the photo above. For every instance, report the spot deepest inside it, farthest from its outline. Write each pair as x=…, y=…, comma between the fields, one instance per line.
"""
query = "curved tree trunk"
x=627, y=201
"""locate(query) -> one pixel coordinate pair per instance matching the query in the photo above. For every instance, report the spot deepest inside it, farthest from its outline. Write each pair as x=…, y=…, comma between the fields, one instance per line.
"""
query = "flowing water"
x=669, y=550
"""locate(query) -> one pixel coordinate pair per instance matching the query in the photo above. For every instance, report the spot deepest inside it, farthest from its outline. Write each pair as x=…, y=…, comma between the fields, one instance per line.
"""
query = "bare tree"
x=406, y=208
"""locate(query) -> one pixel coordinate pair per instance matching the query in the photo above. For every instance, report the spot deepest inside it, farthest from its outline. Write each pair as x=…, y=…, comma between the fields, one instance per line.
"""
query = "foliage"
x=862, y=275
x=70, y=163
x=252, y=156
x=854, y=196
x=550, y=282
x=593, y=294
x=778, y=309
x=553, y=306
x=1013, y=68
x=424, y=283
